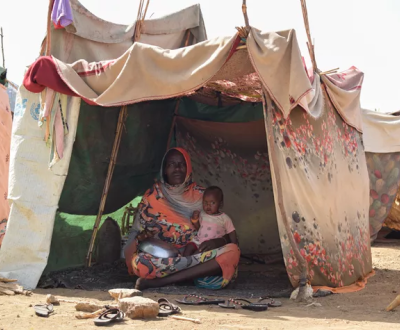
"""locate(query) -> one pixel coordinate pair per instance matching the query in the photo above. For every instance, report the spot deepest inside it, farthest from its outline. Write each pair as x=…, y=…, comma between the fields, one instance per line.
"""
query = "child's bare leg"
x=190, y=250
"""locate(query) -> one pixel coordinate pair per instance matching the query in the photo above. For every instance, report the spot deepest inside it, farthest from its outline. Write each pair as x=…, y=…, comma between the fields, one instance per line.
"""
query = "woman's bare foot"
x=141, y=284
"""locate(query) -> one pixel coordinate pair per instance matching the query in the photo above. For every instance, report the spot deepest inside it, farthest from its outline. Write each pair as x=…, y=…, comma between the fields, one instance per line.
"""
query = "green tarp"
x=143, y=145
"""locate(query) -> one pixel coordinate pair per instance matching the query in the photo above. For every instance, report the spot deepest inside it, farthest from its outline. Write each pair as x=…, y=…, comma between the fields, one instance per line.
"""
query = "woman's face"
x=175, y=168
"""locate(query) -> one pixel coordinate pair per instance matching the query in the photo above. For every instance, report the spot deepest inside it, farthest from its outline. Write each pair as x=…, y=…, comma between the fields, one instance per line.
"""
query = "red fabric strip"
x=43, y=73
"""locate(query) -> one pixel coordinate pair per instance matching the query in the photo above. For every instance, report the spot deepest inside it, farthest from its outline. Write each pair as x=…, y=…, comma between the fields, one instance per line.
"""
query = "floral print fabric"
x=384, y=175
x=325, y=187
x=324, y=179
x=5, y=140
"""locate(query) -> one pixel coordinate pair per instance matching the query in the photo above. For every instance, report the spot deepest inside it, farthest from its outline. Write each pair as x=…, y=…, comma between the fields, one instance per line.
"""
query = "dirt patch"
x=254, y=280
x=360, y=310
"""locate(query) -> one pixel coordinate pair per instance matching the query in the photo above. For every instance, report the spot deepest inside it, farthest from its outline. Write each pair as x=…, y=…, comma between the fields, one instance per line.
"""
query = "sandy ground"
x=360, y=310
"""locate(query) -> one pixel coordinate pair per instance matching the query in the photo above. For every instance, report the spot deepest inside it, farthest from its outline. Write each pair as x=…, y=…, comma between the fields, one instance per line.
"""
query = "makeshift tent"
x=211, y=94
x=381, y=142
x=5, y=139
x=11, y=87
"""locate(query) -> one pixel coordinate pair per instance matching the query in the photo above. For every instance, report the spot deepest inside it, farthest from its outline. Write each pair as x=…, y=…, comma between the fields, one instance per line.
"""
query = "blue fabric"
x=209, y=282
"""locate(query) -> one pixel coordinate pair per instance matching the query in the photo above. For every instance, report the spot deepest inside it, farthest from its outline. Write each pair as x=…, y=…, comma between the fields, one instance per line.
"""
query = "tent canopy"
x=315, y=141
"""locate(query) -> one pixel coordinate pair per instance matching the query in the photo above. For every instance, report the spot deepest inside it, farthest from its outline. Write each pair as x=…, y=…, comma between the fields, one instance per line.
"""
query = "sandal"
x=109, y=316
x=43, y=310
x=271, y=302
x=256, y=307
x=199, y=300
x=166, y=308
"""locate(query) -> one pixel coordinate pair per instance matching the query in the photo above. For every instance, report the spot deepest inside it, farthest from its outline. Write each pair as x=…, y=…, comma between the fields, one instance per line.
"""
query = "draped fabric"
x=5, y=140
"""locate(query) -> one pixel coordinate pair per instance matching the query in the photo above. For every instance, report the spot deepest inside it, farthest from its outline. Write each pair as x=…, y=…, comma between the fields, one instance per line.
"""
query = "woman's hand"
x=196, y=215
x=212, y=244
x=142, y=236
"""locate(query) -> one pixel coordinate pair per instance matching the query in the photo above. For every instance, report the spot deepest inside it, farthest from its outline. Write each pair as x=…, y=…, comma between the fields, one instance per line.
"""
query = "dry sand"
x=360, y=310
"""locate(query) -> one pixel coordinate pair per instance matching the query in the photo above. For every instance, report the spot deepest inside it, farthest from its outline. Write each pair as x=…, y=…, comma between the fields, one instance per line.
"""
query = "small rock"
x=139, y=307
x=314, y=304
x=17, y=316
x=30, y=305
x=394, y=291
x=124, y=293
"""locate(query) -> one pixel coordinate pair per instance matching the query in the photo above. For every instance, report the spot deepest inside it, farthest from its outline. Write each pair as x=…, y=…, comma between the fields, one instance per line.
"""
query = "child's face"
x=211, y=203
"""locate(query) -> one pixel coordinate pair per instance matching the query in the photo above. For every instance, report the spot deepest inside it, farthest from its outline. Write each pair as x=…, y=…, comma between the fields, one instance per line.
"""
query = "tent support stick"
x=187, y=37
x=48, y=37
x=310, y=45
x=2, y=48
x=246, y=17
x=267, y=108
x=171, y=131
x=123, y=113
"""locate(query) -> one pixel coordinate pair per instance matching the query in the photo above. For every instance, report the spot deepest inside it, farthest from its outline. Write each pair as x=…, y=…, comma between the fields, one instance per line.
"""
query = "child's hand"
x=196, y=215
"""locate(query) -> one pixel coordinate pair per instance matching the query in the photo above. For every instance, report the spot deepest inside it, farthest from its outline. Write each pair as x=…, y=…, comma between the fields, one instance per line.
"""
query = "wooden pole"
x=267, y=109
x=48, y=37
x=123, y=113
x=310, y=45
x=2, y=48
x=246, y=17
x=121, y=120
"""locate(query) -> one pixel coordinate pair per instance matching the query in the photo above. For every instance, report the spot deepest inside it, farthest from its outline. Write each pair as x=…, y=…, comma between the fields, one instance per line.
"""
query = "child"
x=211, y=223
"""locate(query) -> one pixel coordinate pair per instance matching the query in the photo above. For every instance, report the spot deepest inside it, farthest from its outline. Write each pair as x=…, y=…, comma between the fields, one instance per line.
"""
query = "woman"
x=164, y=213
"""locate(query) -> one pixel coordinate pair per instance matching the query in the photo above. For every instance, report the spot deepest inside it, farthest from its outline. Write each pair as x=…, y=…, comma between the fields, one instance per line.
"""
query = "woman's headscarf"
x=181, y=197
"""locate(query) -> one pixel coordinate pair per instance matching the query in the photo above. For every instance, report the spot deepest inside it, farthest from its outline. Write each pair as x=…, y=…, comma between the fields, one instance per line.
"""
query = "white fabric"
x=344, y=90
x=34, y=191
x=94, y=39
x=381, y=132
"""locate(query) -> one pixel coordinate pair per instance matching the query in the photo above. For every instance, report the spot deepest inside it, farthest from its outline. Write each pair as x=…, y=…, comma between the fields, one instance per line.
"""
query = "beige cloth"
x=277, y=60
x=94, y=39
x=148, y=73
x=344, y=90
x=381, y=132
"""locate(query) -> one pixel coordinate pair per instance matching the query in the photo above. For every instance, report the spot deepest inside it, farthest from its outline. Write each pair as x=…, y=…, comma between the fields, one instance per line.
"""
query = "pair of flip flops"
x=111, y=315
x=166, y=308
x=246, y=304
x=232, y=303
x=193, y=299
x=43, y=310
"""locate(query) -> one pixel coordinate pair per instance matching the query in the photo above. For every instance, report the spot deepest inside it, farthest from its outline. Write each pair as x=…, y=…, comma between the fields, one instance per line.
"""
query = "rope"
x=140, y=20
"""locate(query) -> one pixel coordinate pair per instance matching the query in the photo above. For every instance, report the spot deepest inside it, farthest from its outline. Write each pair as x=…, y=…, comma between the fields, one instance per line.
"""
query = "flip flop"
x=271, y=302
x=197, y=300
x=109, y=316
x=166, y=308
x=256, y=307
x=43, y=310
